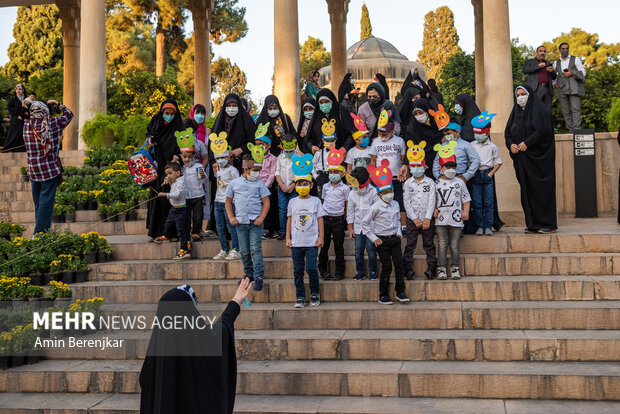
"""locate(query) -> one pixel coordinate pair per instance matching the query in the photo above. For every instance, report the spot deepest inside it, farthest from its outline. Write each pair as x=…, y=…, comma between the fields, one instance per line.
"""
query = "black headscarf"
x=264, y=117
x=189, y=384
x=300, y=124
x=535, y=167
x=345, y=87
x=408, y=83
x=428, y=132
x=381, y=79
x=162, y=134
x=314, y=137
x=405, y=108
x=15, y=138
x=242, y=126
x=470, y=110
x=383, y=103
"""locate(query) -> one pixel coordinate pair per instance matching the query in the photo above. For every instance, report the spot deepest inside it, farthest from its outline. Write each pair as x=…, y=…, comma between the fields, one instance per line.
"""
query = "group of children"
x=319, y=200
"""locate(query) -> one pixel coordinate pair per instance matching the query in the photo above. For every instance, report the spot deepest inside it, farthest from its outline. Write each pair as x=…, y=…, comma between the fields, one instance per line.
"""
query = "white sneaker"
x=221, y=255
x=233, y=255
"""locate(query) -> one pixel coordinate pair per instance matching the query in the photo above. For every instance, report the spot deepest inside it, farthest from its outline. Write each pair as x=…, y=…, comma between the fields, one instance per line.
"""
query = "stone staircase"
x=533, y=327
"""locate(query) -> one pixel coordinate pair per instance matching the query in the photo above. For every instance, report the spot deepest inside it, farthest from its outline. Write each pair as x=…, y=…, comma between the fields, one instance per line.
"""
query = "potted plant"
x=103, y=210
x=60, y=293
x=5, y=349
x=104, y=251
x=34, y=293
x=69, y=213
x=6, y=284
x=121, y=214
x=63, y=265
x=17, y=356
x=10, y=230
x=82, y=199
x=24, y=172
x=18, y=291
x=80, y=270
x=59, y=215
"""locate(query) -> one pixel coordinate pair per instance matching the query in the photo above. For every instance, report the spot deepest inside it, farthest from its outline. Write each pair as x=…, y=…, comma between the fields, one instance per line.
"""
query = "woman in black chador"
x=15, y=138
x=175, y=379
x=530, y=140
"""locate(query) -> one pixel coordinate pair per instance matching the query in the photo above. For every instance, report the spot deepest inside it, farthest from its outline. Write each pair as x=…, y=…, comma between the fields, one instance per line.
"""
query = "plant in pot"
x=63, y=266
x=60, y=293
x=59, y=214
x=112, y=213
x=24, y=172
x=34, y=293
x=91, y=244
x=18, y=291
x=103, y=210
x=16, y=357
x=121, y=213
x=80, y=269
x=104, y=249
x=69, y=213
x=6, y=346
x=83, y=197
x=6, y=287
x=10, y=230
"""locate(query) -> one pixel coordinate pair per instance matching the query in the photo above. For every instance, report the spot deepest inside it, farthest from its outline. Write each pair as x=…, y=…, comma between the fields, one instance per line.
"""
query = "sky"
x=400, y=22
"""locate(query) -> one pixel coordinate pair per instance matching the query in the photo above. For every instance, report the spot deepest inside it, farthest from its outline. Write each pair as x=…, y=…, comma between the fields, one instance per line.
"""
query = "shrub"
x=613, y=116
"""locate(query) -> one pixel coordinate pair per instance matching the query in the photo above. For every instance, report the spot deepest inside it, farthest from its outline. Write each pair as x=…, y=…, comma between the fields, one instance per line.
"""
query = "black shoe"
x=326, y=276
x=429, y=273
x=410, y=274
x=338, y=276
x=266, y=234
x=281, y=236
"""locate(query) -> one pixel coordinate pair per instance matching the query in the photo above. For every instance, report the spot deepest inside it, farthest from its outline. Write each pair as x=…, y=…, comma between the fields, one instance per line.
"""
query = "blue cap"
x=265, y=139
x=386, y=187
x=453, y=126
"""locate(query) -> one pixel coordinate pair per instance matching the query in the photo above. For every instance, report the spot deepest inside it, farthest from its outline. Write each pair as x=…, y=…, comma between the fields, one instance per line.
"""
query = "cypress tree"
x=440, y=40
x=365, y=24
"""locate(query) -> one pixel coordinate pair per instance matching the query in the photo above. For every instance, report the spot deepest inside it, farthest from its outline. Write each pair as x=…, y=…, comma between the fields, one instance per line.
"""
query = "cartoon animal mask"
x=415, y=153
x=359, y=123
x=381, y=176
x=328, y=128
x=384, y=124
x=441, y=117
x=258, y=152
x=219, y=145
x=446, y=152
x=261, y=130
x=335, y=157
x=302, y=164
x=481, y=121
x=185, y=139
x=289, y=145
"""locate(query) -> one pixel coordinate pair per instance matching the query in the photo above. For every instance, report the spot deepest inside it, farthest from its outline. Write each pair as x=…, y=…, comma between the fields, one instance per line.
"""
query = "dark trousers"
x=43, y=195
x=305, y=257
x=390, y=251
x=178, y=220
x=428, y=243
x=195, y=213
x=272, y=221
x=333, y=227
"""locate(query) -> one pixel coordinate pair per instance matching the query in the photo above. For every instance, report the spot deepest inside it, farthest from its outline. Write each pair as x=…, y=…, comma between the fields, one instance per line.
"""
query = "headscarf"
x=384, y=103
x=381, y=79
x=376, y=109
x=470, y=110
x=534, y=116
x=405, y=109
x=314, y=137
x=40, y=112
x=428, y=132
x=282, y=121
x=162, y=133
x=202, y=130
x=408, y=83
x=345, y=87
x=23, y=91
x=302, y=119
x=240, y=128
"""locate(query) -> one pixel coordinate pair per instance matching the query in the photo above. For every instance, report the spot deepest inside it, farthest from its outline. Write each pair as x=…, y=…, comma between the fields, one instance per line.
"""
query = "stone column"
x=497, y=62
x=69, y=12
x=201, y=15
x=286, y=56
x=338, y=10
x=92, y=61
x=479, y=52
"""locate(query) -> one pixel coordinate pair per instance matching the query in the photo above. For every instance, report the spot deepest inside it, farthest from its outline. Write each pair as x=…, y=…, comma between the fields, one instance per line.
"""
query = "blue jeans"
x=250, y=248
x=221, y=223
x=482, y=200
x=43, y=195
x=362, y=242
x=305, y=257
x=448, y=236
x=283, y=199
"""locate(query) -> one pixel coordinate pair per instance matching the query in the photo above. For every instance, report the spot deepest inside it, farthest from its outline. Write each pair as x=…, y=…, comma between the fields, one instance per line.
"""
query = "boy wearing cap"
x=452, y=208
x=419, y=198
x=285, y=179
x=251, y=199
x=482, y=181
x=382, y=226
x=467, y=160
x=360, y=199
x=304, y=235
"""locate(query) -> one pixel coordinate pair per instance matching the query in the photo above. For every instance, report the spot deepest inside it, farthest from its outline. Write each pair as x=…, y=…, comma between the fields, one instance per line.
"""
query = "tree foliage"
x=227, y=22
x=226, y=77
x=601, y=86
x=440, y=40
x=312, y=56
x=366, y=27
x=47, y=84
x=585, y=46
x=38, y=41
x=458, y=76
x=7, y=89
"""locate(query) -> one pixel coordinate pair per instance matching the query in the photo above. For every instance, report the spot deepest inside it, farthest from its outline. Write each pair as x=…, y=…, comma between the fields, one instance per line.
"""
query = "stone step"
x=104, y=229
x=396, y=345
x=79, y=403
x=555, y=315
x=479, y=288
x=282, y=267
x=88, y=217
x=535, y=380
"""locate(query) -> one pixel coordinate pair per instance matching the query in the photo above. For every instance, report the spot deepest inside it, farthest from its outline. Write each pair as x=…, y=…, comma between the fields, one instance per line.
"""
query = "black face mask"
x=416, y=76
x=373, y=101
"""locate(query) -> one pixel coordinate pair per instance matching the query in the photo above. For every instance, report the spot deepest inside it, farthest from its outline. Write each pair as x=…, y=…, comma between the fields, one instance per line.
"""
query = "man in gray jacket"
x=570, y=80
x=540, y=74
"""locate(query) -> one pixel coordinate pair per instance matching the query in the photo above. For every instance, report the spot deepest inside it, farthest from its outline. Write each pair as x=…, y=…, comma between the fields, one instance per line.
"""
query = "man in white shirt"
x=570, y=85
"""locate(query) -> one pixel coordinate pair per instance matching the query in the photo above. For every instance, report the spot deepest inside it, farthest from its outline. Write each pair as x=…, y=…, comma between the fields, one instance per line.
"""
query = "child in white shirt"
x=177, y=216
x=285, y=179
x=224, y=175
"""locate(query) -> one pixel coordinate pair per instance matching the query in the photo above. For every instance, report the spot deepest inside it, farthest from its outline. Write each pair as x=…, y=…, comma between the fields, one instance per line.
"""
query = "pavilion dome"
x=374, y=55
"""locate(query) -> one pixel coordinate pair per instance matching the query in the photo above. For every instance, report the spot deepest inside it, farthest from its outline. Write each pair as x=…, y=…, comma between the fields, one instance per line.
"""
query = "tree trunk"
x=160, y=51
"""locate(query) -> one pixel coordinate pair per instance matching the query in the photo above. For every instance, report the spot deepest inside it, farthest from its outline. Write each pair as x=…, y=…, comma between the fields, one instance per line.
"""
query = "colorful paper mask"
x=384, y=117
x=441, y=117
x=360, y=125
x=218, y=144
x=481, y=121
x=328, y=128
x=289, y=145
x=381, y=176
x=261, y=130
x=258, y=152
x=416, y=153
x=302, y=164
x=446, y=152
x=185, y=139
x=335, y=158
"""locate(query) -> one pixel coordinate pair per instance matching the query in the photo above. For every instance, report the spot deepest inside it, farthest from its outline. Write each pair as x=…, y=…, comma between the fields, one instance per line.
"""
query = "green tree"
x=47, y=84
x=312, y=56
x=7, y=89
x=458, y=76
x=601, y=86
x=519, y=53
x=228, y=22
x=365, y=24
x=440, y=40
x=226, y=77
x=38, y=41
x=586, y=46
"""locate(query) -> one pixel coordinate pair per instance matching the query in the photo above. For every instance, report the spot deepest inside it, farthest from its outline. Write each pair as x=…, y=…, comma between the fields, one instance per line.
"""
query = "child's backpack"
x=142, y=167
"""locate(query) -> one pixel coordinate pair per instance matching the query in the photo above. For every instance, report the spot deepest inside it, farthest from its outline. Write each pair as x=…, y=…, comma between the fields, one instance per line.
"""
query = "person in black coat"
x=422, y=127
x=379, y=77
x=466, y=109
x=191, y=371
x=413, y=79
x=328, y=108
x=15, y=139
x=531, y=142
x=348, y=94
x=405, y=109
x=279, y=122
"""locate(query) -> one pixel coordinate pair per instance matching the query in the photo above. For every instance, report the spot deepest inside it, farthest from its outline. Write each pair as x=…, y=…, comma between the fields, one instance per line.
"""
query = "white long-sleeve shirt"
x=386, y=220
x=193, y=183
x=319, y=162
x=359, y=202
x=419, y=198
x=178, y=192
x=284, y=169
x=224, y=176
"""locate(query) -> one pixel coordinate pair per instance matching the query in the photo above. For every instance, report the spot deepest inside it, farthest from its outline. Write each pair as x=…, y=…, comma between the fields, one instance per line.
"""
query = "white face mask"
x=480, y=137
x=417, y=171
x=387, y=198
x=422, y=118
x=522, y=100
x=458, y=109
x=222, y=162
x=232, y=110
x=449, y=137
x=273, y=112
x=253, y=175
x=384, y=139
x=450, y=173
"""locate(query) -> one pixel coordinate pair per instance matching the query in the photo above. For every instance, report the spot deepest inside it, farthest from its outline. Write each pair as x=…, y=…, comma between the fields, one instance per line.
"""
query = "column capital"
x=69, y=13
x=201, y=13
x=338, y=10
